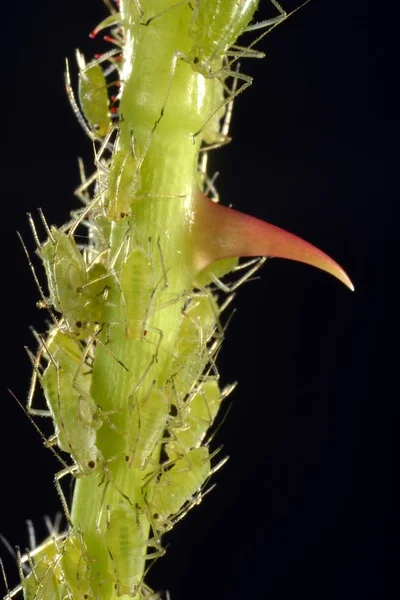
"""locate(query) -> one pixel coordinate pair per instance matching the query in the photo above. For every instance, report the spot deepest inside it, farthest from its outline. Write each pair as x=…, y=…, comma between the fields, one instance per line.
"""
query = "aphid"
x=93, y=95
x=146, y=427
x=75, y=565
x=198, y=324
x=196, y=418
x=138, y=287
x=127, y=547
x=43, y=581
x=176, y=486
x=76, y=290
x=66, y=387
x=214, y=28
x=123, y=184
x=94, y=114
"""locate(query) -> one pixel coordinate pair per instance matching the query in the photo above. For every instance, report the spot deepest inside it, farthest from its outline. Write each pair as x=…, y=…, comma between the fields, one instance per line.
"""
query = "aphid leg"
x=269, y=22
x=230, y=288
x=164, y=12
x=3, y=572
x=226, y=72
x=222, y=137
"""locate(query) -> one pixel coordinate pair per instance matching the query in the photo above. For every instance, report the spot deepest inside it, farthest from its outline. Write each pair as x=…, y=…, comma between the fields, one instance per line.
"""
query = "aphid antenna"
x=36, y=376
x=3, y=572
x=12, y=552
x=262, y=24
x=44, y=303
x=43, y=437
x=83, y=215
x=46, y=226
x=110, y=7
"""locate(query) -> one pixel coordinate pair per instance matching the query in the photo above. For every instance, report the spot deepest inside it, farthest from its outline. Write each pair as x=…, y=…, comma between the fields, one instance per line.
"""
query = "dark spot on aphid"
x=127, y=458
x=122, y=215
x=79, y=289
x=86, y=596
x=155, y=516
x=173, y=411
x=91, y=464
x=78, y=324
x=195, y=60
x=144, y=332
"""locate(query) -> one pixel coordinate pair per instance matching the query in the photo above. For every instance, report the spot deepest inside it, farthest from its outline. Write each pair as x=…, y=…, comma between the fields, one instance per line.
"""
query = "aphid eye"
x=195, y=60
x=78, y=324
x=91, y=464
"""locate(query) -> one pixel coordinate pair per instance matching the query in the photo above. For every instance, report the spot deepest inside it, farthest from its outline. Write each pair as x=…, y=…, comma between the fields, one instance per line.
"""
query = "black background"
x=304, y=506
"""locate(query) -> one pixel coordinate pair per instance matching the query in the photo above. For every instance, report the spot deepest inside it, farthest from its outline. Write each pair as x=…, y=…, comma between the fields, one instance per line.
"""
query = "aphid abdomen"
x=149, y=423
x=126, y=546
x=137, y=286
x=177, y=485
x=215, y=26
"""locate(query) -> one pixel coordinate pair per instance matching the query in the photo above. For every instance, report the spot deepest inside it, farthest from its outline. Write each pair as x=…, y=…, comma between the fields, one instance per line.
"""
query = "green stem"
x=163, y=101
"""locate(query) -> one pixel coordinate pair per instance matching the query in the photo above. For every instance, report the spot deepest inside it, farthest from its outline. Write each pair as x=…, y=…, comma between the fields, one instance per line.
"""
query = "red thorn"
x=93, y=34
x=98, y=56
x=219, y=232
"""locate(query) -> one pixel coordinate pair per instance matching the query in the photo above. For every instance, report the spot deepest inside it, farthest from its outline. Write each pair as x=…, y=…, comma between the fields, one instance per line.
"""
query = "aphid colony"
x=116, y=303
x=127, y=367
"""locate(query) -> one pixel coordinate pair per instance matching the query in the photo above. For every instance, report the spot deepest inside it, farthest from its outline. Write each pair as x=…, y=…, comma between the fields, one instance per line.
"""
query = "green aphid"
x=146, y=427
x=43, y=581
x=126, y=546
x=122, y=186
x=75, y=567
x=76, y=291
x=138, y=288
x=66, y=385
x=93, y=95
x=214, y=28
x=177, y=485
x=196, y=418
x=198, y=323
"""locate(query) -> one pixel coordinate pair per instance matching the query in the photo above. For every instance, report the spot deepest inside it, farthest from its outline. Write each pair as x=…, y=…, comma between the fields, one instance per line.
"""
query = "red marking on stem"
x=219, y=232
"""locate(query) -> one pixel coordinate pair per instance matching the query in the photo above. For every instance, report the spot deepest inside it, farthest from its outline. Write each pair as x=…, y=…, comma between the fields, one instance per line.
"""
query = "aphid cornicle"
x=177, y=485
x=66, y=388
